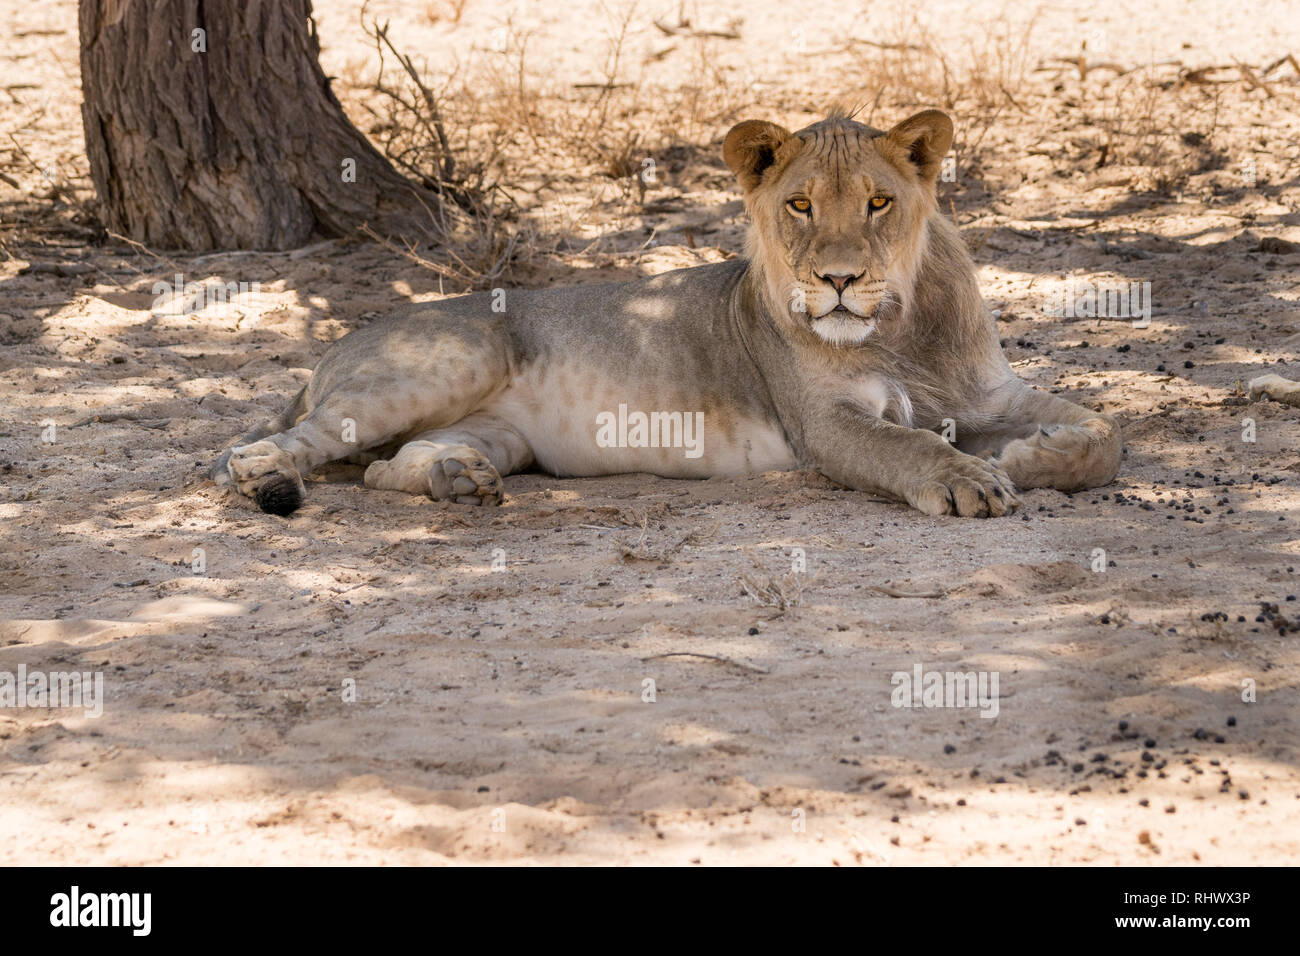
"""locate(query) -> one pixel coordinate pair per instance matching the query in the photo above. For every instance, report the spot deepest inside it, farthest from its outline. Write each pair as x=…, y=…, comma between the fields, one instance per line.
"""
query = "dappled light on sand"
x=634, y=669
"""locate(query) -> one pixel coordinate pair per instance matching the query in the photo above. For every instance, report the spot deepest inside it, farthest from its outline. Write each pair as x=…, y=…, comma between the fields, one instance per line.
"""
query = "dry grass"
x=496, y=132
x=664, y=551
x=1163, y=120
x=52, y=198
x=1167, y=131
x=783, y=592
x=908, y=69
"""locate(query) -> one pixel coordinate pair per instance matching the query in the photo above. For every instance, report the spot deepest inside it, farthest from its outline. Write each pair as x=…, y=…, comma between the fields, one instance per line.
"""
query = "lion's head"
x=839, y=215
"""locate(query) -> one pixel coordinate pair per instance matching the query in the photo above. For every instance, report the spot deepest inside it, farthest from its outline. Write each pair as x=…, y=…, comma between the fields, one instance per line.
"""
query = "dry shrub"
x=1166, y=130
x=504, y=140
x=53, y=199
x=783, y=592
x=664, y=550
x=1145, y=117
x=908, y=70
x=444, y=11
x=493, y=132
x=426, y=130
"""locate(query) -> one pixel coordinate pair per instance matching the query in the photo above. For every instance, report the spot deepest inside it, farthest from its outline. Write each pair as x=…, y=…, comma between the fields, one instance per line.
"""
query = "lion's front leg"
x=1047, y=442
x=851, y=446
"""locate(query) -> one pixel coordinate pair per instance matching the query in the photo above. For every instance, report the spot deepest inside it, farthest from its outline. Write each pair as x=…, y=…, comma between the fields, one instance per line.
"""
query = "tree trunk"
x=210, y=125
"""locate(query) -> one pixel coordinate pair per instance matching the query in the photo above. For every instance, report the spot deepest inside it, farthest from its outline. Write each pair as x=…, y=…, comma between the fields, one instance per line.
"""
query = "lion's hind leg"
x=270, y=469
x=1067, y=457
x=1048, y=442
x=463, y=463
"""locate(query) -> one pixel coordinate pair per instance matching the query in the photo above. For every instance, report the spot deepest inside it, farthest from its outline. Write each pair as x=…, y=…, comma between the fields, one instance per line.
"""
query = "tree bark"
x=228, y=138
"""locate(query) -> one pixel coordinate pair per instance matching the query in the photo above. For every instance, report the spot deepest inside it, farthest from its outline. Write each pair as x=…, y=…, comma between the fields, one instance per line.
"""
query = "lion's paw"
x=467, y=477
x=452, y=473
x=1065, y=457
x=968, y=487
x=266, y=473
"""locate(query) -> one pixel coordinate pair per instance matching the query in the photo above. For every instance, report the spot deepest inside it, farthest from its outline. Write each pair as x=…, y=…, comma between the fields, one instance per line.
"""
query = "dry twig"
x=710, y=657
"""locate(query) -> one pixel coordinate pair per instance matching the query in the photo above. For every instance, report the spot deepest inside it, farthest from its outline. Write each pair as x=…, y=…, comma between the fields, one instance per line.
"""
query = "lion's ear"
x=925, y=139
x=750, y=148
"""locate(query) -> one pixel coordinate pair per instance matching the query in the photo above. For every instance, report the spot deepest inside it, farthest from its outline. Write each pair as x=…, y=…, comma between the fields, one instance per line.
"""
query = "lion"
x=851, y=339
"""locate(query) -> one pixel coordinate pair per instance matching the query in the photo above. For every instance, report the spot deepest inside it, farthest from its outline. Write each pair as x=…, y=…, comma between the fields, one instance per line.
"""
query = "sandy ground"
x=358, y=684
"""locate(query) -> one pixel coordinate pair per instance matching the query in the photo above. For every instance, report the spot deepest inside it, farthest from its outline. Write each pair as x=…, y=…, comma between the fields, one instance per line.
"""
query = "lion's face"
x=839, y=213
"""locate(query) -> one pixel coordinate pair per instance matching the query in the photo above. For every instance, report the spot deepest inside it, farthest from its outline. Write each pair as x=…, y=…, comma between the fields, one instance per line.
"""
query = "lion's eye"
x=801, y=206
x=878, y=203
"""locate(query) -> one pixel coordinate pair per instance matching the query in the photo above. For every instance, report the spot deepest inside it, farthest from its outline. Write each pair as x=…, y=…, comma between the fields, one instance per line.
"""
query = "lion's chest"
x=580, y=422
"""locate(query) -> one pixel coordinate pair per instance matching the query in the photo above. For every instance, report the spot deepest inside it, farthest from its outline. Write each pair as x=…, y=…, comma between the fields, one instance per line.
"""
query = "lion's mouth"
x=883, y=309
x=844, y=312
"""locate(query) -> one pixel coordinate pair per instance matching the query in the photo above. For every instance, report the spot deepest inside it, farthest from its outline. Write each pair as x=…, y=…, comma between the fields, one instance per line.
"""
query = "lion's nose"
x=839, y=280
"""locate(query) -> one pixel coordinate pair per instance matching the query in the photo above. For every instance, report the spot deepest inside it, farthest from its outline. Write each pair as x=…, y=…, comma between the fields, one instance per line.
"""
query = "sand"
x=584, y=675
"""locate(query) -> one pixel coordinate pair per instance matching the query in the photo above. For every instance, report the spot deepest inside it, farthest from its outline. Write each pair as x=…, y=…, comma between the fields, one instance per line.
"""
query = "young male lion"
x=842, y=342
